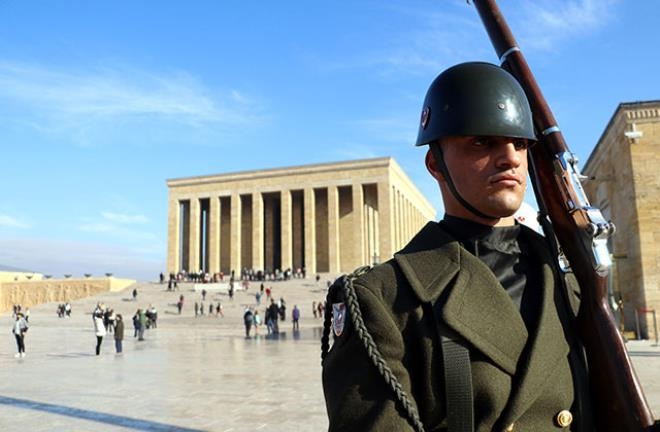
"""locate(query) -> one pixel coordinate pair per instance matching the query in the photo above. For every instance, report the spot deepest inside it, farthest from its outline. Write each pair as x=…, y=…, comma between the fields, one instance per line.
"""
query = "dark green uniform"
x=521, y=379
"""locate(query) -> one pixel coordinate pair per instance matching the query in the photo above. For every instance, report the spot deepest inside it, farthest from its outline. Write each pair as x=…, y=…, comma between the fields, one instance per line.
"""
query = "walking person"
x=119, y=333
x=248, y=320
x=257, y=322
x=295, y=317
x=271, y=317
x=99, y=330
x=136, y=323
x=19, y=329
x=142, y=315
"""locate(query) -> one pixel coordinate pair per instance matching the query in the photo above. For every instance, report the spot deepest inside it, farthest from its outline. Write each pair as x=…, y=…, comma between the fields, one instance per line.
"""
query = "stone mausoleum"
x=330, y=217
x=624, y=181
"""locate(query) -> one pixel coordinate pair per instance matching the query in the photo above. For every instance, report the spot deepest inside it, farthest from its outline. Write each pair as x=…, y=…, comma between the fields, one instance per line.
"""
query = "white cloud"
x=545, y=24
x=442, y=38
x=130, y=228
x=58, y=257
x=436, y=40
x=77, y=101
x=117, y=231
x=12, y=222
x=124, y=218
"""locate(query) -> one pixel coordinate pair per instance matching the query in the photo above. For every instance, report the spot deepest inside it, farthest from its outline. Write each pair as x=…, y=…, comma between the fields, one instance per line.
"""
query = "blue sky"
x=101, y=102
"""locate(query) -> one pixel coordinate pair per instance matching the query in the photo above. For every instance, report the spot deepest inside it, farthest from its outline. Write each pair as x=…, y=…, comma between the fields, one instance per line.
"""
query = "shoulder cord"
x=372, y=350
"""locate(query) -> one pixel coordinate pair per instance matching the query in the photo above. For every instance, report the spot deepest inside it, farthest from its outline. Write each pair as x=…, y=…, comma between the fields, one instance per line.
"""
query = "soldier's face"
x=490, y=173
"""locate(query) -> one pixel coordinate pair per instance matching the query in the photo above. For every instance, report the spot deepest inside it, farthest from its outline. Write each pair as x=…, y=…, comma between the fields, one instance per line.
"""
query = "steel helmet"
x=475, y=98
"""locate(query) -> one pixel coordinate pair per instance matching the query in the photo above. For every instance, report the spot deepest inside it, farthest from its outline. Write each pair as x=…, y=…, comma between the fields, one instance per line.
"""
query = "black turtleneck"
x=508, y=254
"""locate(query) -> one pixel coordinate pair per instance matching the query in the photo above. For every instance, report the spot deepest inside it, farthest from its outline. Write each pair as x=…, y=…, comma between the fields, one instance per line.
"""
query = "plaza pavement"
x=190, y=374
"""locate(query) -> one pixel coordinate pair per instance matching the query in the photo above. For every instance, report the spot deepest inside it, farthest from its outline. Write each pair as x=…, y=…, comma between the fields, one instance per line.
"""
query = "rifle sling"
x=458, y=385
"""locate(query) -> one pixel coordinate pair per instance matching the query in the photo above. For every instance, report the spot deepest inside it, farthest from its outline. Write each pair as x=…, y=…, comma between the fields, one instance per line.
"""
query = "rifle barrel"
x=617, y=396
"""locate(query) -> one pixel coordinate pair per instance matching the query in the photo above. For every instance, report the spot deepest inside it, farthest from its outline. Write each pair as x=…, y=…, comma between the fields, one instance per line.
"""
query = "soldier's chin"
x=504, y=211
x=508, y=205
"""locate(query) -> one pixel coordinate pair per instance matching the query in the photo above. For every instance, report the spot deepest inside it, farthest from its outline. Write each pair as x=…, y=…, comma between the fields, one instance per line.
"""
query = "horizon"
x=103, y=103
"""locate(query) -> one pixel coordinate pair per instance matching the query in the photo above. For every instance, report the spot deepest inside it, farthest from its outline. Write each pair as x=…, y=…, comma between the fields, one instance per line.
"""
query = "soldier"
x=468, y=326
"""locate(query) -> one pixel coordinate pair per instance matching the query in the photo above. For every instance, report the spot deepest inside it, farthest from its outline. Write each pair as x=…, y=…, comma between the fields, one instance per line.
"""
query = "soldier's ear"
x=432, y=166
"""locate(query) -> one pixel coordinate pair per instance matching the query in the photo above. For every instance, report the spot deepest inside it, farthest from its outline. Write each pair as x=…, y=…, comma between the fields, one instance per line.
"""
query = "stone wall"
x=30, y=293
x=625, y=184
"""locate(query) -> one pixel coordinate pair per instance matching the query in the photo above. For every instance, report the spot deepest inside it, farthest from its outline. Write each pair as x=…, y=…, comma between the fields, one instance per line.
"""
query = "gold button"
x=564, y=418
x=509, y=428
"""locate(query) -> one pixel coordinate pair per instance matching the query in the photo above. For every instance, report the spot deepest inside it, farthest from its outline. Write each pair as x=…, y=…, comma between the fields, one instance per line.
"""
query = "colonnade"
x=327, y=229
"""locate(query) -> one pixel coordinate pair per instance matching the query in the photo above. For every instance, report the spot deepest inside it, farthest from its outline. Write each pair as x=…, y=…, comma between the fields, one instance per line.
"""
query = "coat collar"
x=463, y=291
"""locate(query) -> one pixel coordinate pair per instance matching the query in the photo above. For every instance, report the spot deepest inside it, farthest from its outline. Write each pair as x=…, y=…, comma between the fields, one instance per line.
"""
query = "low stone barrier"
x=29, y=293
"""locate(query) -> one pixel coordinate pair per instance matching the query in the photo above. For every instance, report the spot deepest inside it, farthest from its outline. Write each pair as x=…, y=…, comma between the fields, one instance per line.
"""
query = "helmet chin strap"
x=440, y=161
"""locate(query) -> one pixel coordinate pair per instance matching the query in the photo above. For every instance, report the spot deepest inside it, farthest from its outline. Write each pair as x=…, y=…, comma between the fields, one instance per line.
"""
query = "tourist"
x=271, y=317
x=257, y=297
x=248, y=320
x=99, y=329
x=257, y=322
x=136, y=323
x=295, y=316
x=19, y=329
x=320, y=308
x=143, y=324
x=119, y=333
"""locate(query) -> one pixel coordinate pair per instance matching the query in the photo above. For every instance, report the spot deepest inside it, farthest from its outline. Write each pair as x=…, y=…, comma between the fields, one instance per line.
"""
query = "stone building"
x=624, y=172
x=331, y=217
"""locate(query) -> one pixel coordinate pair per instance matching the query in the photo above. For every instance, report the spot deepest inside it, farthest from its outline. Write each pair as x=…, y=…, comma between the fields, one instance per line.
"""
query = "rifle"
x=582, y=233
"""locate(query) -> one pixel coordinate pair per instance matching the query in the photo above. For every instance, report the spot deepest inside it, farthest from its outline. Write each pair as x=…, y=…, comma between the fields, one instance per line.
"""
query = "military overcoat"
x=521, y=381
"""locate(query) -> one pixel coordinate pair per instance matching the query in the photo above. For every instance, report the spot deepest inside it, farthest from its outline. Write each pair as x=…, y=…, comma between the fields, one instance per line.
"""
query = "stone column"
x=397, y=220
x=235, y=240
x=195, y=222
x=173, y=232
x=310, y=231
x=373, y=249
x=358, y=226
x=333, y=230
x=214, y=235
x=405, y=220
x=285, y=229
x=385, y=221
x=257, y=231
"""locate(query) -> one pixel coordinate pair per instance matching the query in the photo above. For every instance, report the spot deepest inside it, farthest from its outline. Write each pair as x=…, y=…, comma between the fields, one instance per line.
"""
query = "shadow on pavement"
x=115, y=420
x=644, y=354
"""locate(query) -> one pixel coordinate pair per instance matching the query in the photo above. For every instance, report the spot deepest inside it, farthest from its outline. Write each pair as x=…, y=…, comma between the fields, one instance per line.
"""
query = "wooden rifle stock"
x=617, y=397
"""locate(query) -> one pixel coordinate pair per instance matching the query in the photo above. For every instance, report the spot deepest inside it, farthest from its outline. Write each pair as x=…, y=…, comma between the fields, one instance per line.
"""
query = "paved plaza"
x=190, y=374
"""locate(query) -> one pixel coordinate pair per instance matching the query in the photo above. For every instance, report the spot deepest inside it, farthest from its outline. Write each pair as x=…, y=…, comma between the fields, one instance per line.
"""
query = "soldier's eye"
x=521, y=144
x=481, y=142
